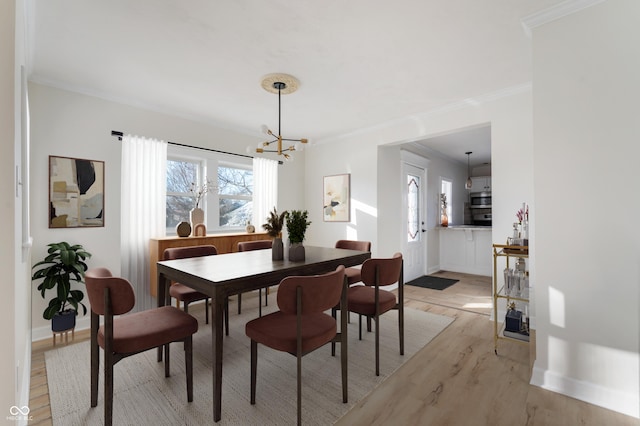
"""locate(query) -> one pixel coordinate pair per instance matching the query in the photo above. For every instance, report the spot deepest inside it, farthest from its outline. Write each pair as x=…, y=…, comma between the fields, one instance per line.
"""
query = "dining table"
x=224, y=275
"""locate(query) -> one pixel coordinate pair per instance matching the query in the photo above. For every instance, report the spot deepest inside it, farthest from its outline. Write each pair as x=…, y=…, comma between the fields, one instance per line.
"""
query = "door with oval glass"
x=414, y=212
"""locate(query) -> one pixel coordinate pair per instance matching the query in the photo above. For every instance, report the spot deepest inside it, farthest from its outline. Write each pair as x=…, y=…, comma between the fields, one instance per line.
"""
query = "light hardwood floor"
x=455, y=380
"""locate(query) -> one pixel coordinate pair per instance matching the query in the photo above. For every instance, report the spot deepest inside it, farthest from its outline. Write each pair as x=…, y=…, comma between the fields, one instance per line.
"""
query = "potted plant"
x=296, y=227
x=64, y=263
x=273, y=227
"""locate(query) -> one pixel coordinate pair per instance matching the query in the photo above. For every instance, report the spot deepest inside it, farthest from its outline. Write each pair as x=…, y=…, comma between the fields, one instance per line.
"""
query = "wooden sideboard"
x=225, y=243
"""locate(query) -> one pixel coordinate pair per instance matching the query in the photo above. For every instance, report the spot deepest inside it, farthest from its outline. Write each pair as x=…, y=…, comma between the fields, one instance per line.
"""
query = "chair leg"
x=108, y=388
x=239, y=303
x=226, y=316
x=95, y=360
x=401, y=328
x=188, y=361
x=266, y=296
x=369, y=324
x=376, y=320
x=167, y=368
x=334, y=311
x=254, y=368
x=299, y=356
x=359, y=327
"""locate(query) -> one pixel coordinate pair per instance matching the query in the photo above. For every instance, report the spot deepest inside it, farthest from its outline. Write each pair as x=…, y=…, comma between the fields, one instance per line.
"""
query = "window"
x=446, y=188
x=235, y=196
x=228, y=204
x=181, y=174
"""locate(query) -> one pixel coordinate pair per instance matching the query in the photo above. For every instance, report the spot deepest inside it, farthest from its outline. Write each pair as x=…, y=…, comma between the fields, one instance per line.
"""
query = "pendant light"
x=469, y=182
x=281, y=84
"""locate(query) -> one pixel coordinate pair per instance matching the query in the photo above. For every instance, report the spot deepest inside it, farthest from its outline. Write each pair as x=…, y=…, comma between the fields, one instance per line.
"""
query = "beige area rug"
x=143, y=396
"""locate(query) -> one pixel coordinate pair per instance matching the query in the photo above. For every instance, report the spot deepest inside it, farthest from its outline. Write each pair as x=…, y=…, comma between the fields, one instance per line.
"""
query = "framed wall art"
x=337, y=198
x=76, y=192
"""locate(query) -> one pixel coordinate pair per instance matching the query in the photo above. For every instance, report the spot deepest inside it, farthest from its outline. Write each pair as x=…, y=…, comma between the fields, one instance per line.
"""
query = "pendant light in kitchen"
x=468, y=183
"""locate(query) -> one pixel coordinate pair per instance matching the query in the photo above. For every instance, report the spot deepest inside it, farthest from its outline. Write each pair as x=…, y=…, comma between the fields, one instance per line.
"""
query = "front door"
x=414, y=213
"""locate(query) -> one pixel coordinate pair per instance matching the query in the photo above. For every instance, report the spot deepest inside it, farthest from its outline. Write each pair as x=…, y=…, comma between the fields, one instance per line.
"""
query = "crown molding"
x=552, y=13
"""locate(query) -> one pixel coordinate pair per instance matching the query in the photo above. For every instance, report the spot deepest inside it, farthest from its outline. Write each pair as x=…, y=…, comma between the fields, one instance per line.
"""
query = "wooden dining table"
x=225, y=275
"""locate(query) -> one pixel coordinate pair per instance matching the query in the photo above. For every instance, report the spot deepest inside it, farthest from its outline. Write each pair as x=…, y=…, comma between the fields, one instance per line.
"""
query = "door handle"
x=423, y=230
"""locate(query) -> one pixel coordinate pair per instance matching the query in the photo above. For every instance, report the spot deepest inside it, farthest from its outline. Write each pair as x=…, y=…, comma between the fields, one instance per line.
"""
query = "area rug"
x=434, y=283
x=143, y=396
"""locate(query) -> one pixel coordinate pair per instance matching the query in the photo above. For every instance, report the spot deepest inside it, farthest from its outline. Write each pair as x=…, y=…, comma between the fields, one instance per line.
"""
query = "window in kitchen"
x=446, y=188
x=229, y=202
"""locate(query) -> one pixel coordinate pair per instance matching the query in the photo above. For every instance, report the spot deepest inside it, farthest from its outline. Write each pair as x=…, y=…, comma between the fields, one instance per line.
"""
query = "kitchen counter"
x=468, y=252
x=469, y=227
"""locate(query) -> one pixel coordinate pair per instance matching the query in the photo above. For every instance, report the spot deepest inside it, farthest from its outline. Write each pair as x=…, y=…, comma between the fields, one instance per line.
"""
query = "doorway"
x=414, y=241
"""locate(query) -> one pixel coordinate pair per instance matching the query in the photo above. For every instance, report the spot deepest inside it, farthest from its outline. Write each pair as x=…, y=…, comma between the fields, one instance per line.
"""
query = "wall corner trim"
x=558, y=11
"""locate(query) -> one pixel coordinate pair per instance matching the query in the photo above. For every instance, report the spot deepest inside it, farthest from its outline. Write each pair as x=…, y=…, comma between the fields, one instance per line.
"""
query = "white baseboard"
x=44, y=332
x=611, y=399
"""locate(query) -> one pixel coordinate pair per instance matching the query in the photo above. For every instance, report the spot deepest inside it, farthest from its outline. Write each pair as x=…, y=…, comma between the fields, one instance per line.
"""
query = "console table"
x=225, y=243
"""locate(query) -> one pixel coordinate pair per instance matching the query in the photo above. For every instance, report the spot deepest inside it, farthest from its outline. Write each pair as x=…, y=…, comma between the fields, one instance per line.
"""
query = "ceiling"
x=360, y=63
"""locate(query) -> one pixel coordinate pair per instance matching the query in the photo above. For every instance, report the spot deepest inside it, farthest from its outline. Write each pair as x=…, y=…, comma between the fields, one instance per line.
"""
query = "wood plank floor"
x=455, y=380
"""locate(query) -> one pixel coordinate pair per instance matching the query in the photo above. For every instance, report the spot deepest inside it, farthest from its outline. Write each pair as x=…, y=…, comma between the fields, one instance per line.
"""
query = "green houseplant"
x=296, y=227
x=274, y=225
x=64, y=263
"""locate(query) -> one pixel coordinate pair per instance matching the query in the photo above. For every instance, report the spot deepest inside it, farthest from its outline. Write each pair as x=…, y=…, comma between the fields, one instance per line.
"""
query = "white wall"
x=511, y=145
x=69, y=124
x=586, y=80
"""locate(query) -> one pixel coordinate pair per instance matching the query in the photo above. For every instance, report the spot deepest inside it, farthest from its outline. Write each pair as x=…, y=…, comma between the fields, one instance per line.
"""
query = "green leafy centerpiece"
x=296, y=228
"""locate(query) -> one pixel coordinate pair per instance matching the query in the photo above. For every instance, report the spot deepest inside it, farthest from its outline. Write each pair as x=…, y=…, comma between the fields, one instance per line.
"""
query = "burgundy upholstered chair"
x=130, y=334
x=185, y=294
x=301, y=326
x=248, y=246
x=372, y=301
x=353, y=274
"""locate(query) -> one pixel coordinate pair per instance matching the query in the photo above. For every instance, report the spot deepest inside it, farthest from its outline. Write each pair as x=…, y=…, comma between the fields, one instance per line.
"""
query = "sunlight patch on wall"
x=556, y=307
x=362, y=207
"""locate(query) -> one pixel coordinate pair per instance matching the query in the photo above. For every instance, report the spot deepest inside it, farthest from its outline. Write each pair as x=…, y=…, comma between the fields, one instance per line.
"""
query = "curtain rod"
x=119, y=135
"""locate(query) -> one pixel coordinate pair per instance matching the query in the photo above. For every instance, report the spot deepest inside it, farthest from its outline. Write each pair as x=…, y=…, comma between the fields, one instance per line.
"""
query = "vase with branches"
x=274, y=225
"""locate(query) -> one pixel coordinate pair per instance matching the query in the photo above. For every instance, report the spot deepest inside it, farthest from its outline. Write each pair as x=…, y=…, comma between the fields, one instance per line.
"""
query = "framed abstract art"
x=337, y=198
x=76, y=192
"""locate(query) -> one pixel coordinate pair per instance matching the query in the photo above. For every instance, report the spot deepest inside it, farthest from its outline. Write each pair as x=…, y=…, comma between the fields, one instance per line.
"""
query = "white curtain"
x=265, y=190
x=144, y=177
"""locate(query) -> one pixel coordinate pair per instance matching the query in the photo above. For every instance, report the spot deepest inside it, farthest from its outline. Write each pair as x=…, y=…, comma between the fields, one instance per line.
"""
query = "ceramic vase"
x=296, y=252
x=250, y=228
x=277, y=249
x=196, y=216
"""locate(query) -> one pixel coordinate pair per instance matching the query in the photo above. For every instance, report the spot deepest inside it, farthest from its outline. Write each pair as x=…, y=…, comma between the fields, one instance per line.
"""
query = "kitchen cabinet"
x=514, y=294
x=480, y=184
x=466, y=249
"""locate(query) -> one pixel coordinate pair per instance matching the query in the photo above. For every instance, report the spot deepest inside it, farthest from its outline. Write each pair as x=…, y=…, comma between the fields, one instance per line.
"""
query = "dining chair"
x=301, y=326
x=248, y=246
x=185, y=294
x=372, y=301
x=353, y=274
x=130, y=334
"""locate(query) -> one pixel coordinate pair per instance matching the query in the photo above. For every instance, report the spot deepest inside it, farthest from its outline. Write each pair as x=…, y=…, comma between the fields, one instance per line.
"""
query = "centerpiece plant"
x=63, y=264
x=274, y=225
x=297, y=224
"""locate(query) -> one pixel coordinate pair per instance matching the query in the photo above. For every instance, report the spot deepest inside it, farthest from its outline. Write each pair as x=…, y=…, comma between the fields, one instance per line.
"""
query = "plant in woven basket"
x=64, y=263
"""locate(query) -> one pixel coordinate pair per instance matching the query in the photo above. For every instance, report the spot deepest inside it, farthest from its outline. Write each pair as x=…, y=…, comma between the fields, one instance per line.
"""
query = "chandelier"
x=282, y=84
